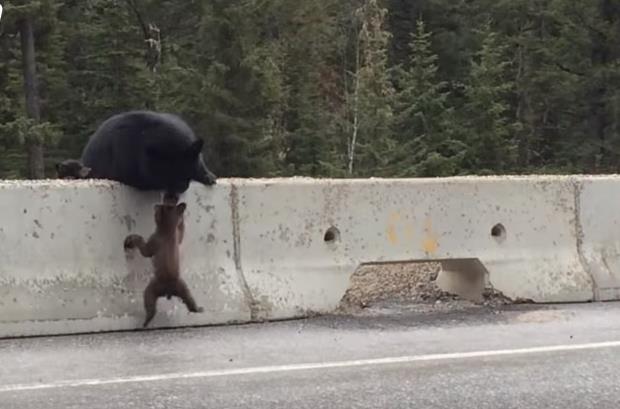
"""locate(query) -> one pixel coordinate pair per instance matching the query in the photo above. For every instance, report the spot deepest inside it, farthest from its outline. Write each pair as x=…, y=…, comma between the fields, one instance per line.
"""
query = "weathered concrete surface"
x=294, y=269
x=598, y=236
x=281, y=248
x=64, y=269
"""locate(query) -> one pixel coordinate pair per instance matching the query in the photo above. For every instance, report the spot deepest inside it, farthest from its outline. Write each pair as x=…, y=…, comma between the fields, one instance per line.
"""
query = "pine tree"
x=585, y=55
x=235, y=93
x=312, y=41
x=282, y=87
x=371, y=95
x=26, y=122
x=425, y=125
x=489, y=126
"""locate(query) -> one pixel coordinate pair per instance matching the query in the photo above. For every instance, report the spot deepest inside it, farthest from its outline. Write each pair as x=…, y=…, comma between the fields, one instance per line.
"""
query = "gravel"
x=412, y=285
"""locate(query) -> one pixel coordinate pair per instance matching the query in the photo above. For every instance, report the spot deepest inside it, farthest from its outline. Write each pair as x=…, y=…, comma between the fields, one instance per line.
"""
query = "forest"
x=321, y=88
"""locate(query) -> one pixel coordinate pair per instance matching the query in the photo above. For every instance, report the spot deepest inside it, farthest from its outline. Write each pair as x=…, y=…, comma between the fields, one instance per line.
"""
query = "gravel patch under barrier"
x=410, y=284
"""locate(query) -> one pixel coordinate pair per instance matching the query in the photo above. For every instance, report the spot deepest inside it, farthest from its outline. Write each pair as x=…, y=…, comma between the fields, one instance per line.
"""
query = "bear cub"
x=163, y=249
x=72, y=169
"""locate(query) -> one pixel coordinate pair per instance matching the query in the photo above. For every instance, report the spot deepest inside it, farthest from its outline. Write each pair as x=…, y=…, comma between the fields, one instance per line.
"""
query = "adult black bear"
x=148, y=151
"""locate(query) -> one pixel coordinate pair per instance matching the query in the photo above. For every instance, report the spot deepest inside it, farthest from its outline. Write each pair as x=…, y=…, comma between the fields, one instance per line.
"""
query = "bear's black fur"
x=148, y=151
x=72, y=169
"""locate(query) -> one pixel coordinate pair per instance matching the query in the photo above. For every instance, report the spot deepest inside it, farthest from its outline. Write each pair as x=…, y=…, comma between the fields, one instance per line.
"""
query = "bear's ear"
x=195, y=149
x=181, y=208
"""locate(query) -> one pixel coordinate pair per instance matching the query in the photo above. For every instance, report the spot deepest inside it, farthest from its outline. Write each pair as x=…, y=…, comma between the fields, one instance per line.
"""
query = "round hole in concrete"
x=498, y=232
x=332, y=235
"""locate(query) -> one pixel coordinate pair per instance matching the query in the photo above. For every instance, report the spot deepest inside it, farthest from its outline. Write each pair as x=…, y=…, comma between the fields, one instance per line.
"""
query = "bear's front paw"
x=131, y=241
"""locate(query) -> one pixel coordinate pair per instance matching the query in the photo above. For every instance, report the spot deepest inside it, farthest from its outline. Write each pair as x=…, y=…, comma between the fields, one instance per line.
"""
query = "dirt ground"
x=412, y=285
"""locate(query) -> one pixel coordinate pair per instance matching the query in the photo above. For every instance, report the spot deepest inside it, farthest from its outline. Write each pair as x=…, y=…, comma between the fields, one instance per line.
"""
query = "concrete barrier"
x=64, y=269
x=280, y=248
x=290, y=267
x=598, y=236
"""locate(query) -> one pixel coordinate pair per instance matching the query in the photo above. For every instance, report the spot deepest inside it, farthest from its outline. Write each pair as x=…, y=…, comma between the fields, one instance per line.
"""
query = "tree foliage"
x=332, y=88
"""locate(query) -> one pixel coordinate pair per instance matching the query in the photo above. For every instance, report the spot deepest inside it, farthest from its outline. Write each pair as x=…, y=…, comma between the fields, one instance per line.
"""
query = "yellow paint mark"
x=394, y=217
x=391, y=234
x=390, y=231
x=409, y=232
x=398, y=230
x=430, y=243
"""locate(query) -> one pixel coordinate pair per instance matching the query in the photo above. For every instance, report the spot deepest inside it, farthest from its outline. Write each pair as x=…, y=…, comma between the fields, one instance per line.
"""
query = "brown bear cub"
x=163, y=248
x=172, y=199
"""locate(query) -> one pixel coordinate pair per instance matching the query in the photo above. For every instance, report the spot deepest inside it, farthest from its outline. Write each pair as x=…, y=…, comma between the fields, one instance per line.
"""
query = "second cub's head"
x=168, y=216
x=72, y=169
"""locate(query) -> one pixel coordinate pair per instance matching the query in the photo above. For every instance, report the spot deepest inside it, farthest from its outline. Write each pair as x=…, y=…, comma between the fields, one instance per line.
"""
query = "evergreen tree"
x=425, y=126
x=314, y=118
x=322, y=88
x=25, y=124
x=371, y=95
x=489, y=126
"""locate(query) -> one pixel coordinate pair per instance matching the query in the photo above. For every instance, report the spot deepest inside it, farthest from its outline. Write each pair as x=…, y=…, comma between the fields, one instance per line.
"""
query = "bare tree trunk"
x=152, y=56
x=525, y=135
x=36, y=166
x=353, y=140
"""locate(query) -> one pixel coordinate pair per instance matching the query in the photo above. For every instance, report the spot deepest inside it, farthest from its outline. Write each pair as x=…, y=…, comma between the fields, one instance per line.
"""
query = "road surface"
x=564, y=356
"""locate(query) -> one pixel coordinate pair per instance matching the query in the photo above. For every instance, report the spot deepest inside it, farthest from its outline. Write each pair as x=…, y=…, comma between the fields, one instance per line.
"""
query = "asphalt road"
x=521, y=357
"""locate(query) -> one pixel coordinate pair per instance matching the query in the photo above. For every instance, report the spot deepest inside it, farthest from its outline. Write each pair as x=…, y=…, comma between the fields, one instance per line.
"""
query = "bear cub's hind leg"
x=182, y=291
x=151, y=294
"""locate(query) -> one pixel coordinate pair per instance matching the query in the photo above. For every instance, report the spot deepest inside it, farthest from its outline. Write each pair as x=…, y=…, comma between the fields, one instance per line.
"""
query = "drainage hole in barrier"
x=498, y=232
x=332, y=235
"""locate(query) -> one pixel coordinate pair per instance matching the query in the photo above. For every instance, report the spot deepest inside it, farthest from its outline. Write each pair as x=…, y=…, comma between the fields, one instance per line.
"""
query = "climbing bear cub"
x=163, y=249
x=143, y=149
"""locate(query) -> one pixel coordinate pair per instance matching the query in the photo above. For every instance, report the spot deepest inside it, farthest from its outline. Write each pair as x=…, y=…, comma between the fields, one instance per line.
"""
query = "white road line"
x=303, y=367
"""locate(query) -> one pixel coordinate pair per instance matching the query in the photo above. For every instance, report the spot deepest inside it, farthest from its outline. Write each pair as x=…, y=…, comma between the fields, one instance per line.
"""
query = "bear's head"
x=168, y=217
x=174, y=168
x=72, y=169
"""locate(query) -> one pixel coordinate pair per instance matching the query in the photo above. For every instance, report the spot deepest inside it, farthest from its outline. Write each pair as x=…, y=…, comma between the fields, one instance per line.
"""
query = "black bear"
x=146, y=150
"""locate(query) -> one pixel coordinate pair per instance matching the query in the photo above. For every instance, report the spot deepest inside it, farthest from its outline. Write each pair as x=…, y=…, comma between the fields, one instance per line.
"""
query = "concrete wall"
x=64, y=269
x=257, y=249
x=289, y=268
x=598, y=235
